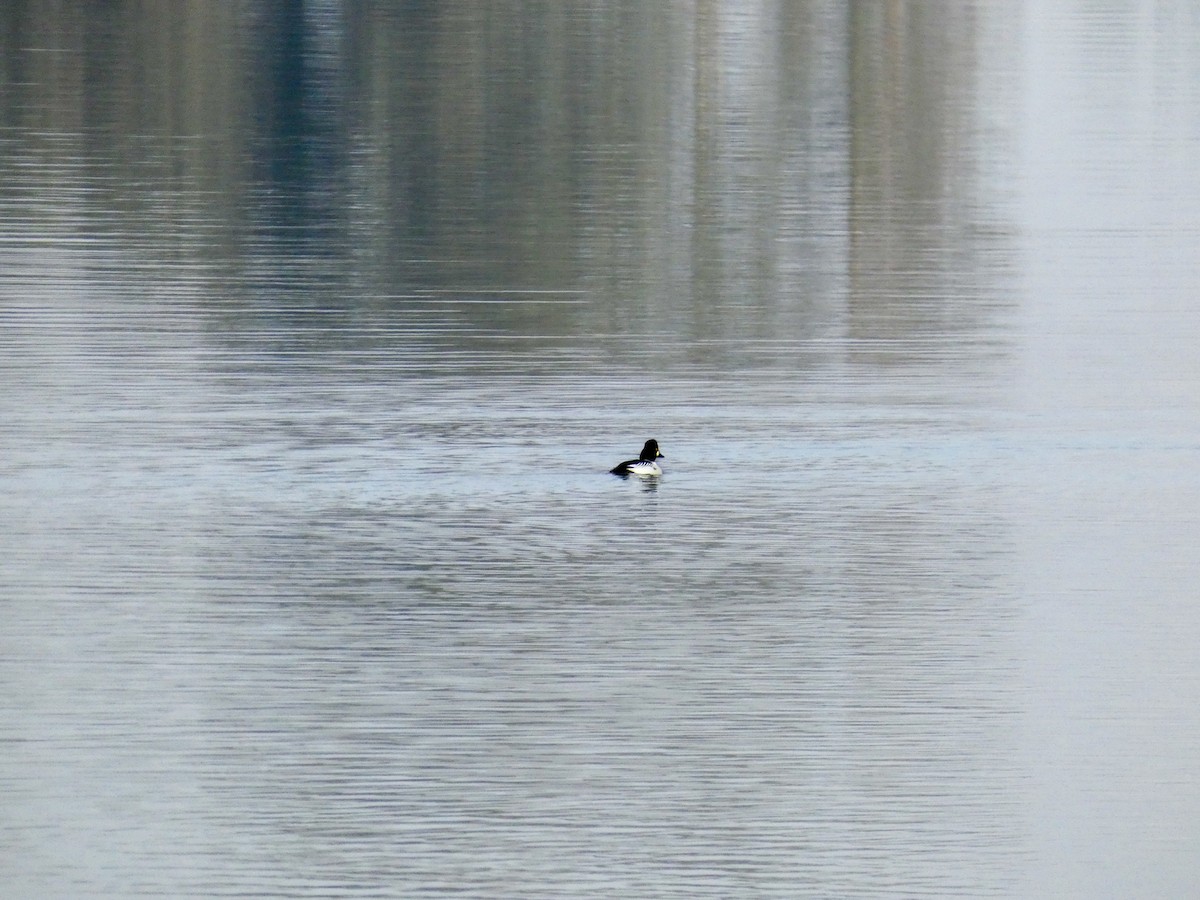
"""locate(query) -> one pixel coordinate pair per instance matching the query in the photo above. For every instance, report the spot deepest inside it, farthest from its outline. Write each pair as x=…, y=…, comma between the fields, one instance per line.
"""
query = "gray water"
x=320, y=328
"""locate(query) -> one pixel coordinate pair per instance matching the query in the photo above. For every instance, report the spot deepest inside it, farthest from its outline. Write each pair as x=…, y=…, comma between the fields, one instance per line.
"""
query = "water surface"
x=319, y=333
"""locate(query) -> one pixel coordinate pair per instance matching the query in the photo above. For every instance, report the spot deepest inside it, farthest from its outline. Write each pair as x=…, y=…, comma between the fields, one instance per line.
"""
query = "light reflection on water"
x=396, y=630
x=315, y=583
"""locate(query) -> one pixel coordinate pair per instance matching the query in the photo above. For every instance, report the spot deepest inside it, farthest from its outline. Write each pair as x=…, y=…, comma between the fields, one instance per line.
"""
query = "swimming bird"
x=644, y=464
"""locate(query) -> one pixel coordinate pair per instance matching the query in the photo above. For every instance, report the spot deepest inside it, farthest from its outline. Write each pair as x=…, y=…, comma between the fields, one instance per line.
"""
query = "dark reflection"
x=302, y=113
x=925, y=251
x=720, y=187
x=647, y=483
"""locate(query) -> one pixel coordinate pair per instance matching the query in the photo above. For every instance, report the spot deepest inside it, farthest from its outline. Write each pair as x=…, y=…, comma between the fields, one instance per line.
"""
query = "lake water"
x=320, y=328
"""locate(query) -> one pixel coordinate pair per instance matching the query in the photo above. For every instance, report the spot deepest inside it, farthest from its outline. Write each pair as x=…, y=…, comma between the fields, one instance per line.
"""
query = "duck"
x=644, y=464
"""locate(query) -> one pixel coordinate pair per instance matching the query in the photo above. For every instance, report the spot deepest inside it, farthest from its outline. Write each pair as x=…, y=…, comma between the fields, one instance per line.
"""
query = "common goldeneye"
x=644, y=464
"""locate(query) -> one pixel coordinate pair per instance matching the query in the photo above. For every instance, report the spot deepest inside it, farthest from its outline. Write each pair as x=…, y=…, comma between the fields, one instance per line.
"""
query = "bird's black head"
x=650, y=452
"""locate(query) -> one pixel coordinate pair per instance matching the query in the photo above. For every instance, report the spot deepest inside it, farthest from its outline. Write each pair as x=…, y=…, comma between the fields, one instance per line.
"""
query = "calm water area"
x=321, y=325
